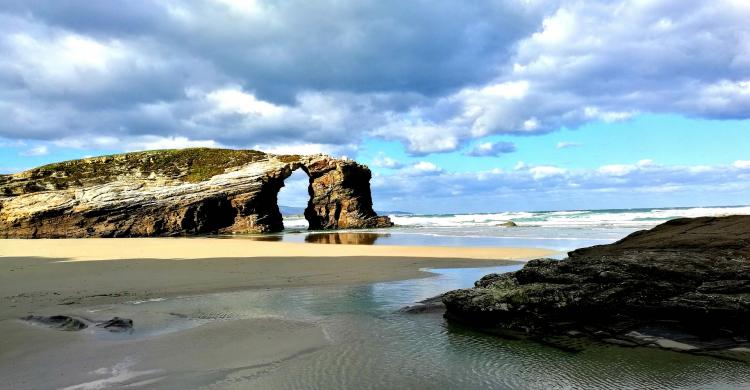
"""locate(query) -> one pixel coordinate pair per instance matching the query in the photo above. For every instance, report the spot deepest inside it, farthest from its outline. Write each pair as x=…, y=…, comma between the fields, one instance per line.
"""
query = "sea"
x=556, y=230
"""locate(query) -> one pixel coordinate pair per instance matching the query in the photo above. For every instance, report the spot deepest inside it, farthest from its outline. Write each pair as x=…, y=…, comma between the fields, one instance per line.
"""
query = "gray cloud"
x=281, y=48
x=431, y=75
x=604, y=61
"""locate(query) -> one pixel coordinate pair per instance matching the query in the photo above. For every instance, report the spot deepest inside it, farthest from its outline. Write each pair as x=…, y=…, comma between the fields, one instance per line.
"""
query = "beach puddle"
x=356, y=337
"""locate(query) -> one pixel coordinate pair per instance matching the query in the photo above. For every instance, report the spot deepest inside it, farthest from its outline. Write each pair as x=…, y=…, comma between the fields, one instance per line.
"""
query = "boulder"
x=180, y=192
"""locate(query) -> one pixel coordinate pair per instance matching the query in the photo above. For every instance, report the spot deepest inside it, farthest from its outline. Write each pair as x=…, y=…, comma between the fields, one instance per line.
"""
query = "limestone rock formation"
x=682, y=285
x=180, y=192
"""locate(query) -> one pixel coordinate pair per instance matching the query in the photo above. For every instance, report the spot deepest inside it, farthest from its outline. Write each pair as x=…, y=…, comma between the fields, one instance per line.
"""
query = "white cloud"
x=544, y=171
x=40, y=150
x=234, y=100
x=170, y=143
x=567, y=144
x=422, y=168
x=382, y=161
x=646, y=162
x=307, y=148
x=617, y=169
x=538, y=172
x=742, y=164
x=420, y=138
x=492, y=149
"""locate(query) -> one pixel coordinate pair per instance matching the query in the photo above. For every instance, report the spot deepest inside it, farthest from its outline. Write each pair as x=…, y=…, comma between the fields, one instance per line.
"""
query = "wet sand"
x=48, y=277
x=42, y=273
x=209, y=248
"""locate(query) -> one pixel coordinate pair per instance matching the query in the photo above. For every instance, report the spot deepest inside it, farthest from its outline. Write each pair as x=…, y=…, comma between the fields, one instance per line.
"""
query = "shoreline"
x=63, y=273
x=94, y=249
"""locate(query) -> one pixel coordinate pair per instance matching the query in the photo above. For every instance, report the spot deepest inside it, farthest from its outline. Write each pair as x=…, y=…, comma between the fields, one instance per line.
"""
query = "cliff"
x=682, y=285
x=180, y=192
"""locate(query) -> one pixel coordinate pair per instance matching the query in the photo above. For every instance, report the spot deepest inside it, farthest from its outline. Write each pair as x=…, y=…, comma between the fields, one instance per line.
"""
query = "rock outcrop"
x=682, y=285
x=180, y=192
x=59, y=322
x=74, y=324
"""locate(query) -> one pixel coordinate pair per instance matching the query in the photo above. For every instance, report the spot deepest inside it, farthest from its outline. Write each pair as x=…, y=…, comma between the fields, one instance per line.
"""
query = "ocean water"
x=557, y=230
x=372, y=345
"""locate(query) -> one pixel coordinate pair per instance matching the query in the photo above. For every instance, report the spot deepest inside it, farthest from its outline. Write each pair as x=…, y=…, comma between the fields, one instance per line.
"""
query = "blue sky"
x=456, y=106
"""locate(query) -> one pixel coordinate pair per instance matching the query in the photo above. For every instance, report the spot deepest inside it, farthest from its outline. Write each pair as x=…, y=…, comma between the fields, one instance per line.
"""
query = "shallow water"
x=371, y=345
x=556, y=230
x=558, y=239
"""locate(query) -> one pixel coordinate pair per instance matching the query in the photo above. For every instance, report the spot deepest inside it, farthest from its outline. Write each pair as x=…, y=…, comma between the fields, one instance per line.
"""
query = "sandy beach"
x=49, y=277
x=41, y=273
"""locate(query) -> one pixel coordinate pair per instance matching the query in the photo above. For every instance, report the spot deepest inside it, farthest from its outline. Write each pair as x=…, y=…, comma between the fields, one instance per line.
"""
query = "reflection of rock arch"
x=349, y=238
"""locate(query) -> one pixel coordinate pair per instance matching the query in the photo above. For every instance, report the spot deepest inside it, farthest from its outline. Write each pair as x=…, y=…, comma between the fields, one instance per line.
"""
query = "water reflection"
x=344, y=238
x=528, y=237
x=374, y=346
x=262, y=237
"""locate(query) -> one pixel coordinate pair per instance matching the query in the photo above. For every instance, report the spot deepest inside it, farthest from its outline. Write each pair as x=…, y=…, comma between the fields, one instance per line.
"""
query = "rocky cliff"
x=682, y=285
x=180, y=192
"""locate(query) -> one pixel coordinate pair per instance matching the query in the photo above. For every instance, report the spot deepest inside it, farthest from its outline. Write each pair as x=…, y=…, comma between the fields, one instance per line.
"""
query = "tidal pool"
x=370, y=345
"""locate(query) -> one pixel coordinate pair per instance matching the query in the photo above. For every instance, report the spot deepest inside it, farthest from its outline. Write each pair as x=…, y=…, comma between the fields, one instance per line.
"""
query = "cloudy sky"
x=455, y=105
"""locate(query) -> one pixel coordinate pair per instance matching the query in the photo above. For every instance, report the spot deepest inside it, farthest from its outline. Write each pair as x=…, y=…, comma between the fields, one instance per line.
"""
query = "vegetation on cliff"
x=191, y=165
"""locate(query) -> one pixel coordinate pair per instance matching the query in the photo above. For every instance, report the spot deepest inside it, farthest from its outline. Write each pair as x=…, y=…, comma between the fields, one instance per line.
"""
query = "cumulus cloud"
x=492, y=149
x=422, y=168
x=432, y=76
x=576, y=68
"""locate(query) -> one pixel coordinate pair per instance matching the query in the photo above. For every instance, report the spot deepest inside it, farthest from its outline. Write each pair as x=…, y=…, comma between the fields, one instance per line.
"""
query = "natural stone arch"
x=180, y=192
x=339, y=196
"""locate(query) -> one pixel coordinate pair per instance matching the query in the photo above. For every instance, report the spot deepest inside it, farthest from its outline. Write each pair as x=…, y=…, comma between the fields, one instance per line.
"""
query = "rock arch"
x=340, y=195
x=181, y=192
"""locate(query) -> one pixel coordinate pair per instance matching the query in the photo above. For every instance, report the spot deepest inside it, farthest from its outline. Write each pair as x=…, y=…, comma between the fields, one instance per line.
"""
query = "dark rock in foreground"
x=68, y=323
x=180, y=192
x=429, y=305
x=683, y=285
x=58, y=322
x=117, y=324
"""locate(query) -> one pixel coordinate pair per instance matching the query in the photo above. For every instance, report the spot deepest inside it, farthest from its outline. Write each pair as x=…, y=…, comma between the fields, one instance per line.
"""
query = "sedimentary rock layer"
x=686, y=280
x=180, y=192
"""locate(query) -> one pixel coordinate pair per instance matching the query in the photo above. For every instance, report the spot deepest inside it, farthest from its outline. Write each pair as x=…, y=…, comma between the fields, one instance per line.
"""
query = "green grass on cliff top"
x=191, y=165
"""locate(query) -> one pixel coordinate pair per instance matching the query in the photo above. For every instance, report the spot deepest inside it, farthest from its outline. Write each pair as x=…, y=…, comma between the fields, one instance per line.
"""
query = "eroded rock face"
x=180, y=192
x=683, y=285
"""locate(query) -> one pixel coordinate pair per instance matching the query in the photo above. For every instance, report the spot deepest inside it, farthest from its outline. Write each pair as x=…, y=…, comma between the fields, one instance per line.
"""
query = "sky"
x=456, y=106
